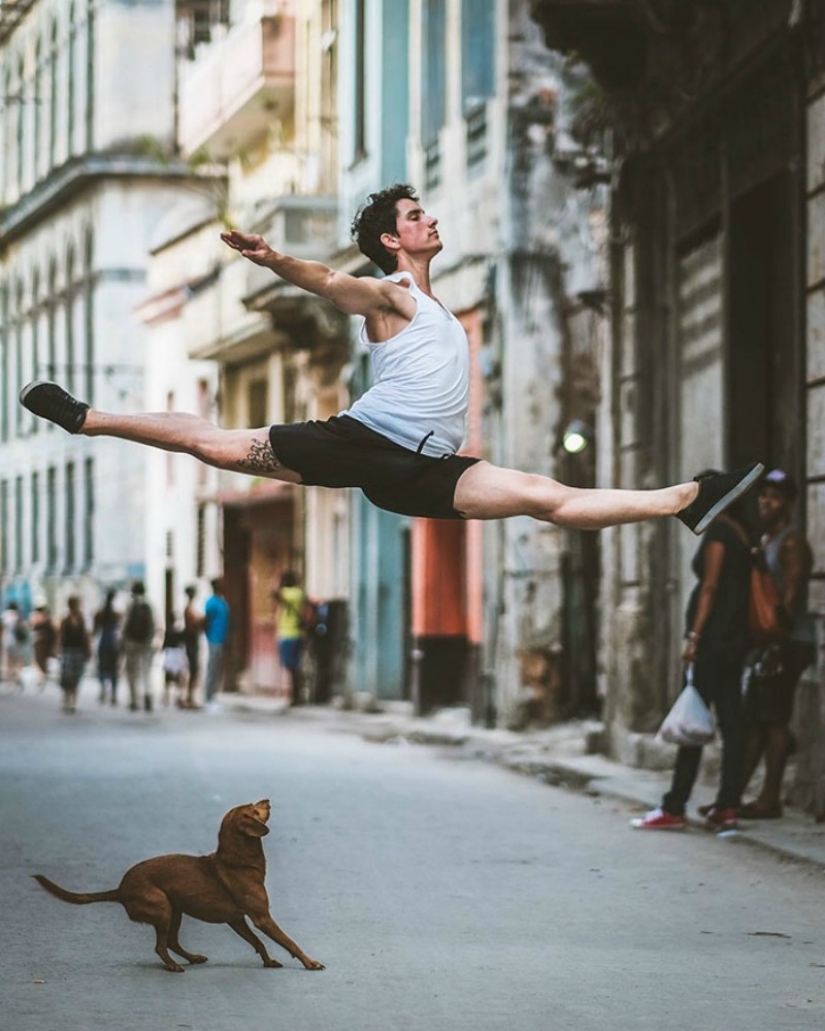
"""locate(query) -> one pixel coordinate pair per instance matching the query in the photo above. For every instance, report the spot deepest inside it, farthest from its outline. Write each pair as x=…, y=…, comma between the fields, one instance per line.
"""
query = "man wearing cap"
x=788, y=557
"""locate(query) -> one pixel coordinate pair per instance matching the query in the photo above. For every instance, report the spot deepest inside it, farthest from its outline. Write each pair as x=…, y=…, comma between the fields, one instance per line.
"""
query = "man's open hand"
x=250, y=245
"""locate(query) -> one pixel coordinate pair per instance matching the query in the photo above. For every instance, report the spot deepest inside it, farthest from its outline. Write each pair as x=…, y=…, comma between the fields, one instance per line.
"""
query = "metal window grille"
x=476, y=125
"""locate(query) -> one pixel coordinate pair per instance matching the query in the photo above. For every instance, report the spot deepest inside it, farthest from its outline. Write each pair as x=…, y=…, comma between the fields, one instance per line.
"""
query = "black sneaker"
x=52, y=402
x=717, y=491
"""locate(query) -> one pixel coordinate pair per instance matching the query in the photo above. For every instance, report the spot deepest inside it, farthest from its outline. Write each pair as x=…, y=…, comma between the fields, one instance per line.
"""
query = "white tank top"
x=421, y=380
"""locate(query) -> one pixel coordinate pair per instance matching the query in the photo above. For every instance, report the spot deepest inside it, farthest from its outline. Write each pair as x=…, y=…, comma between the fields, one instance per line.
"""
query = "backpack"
x=140, y=624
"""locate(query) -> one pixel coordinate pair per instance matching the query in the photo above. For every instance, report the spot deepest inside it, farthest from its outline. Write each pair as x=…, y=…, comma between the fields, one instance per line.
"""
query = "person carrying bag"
x=716, y=645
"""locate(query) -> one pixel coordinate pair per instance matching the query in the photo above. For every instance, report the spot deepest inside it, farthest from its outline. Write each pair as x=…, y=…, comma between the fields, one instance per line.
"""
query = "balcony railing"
x=238, y=87
x=301, y=225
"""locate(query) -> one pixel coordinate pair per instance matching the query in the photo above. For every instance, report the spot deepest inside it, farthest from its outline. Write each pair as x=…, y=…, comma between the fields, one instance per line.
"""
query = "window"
x=53, y=66
x=35, y=517
x=478, y=56
x=88, y=512
x=359, y=99
x=478, y=52
x=198, y=19
x=34, y=350
x=433, y=87
x=4, y=526
x=7, y=114
x=37, y=102
x=69, y=314
x=51, y=327
x=18, y=358
x=395, y=90
x=21, y=126
x=51, y=518
x=69, y=524
x=71, y=60
x=90, y=74
x=5, y=346
x=18, y=524
x=200, y=541
x=88, y=316
x=329, y=87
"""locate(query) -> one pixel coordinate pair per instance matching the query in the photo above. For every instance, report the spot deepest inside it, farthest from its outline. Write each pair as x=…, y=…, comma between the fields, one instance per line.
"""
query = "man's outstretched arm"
x=352, y=295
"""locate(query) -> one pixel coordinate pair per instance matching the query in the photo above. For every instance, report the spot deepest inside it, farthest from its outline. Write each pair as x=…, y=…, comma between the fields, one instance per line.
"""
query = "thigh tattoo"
x=261, y=459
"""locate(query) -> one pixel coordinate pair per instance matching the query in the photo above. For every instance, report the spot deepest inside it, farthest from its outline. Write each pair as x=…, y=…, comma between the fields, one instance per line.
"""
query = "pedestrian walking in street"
x=175, y=664
x=399, y=441
x=289, y=630
x=139, y=648
x=716, y=646
x=216, y=629
x=15, y=641
x=106, y=628
x=777, y=669
x=44, y=641
x=75, y=651
x=192, y=630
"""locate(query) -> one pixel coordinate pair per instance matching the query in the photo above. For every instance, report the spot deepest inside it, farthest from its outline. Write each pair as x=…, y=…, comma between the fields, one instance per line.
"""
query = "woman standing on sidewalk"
x=716, y=645
x=75, y=652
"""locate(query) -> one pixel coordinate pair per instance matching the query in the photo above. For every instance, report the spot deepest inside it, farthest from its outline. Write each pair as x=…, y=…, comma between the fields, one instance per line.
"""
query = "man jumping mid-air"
x=397, y=442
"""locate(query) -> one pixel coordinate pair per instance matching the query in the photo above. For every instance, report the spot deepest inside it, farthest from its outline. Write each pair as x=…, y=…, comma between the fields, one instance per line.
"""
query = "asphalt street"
x=440, y=894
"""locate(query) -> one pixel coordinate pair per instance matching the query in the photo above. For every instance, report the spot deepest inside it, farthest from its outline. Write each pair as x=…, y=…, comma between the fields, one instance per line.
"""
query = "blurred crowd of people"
x=123, y=643
x=115, y=645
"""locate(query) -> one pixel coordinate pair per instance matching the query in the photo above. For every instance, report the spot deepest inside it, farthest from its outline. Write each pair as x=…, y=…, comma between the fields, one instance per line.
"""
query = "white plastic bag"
x=689, y=722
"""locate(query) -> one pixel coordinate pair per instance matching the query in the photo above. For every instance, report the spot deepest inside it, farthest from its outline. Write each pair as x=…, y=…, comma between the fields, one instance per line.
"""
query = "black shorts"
x=343, y=452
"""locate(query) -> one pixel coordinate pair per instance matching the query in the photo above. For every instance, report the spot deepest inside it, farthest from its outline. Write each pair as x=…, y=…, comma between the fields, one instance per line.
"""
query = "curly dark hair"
x=379, y=216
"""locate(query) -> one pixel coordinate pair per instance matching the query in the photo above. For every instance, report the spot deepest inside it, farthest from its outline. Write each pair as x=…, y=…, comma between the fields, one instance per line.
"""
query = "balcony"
x=217, y=326
x=238, y=87
x=300, y=225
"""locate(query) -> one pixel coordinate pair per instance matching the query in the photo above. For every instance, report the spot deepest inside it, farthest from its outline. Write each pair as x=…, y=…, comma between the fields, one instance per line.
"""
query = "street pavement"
x=560, y=756
x=441, y=891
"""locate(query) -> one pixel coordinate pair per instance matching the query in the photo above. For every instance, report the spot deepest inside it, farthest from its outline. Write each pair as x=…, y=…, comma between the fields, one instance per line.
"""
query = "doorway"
x=763, y=369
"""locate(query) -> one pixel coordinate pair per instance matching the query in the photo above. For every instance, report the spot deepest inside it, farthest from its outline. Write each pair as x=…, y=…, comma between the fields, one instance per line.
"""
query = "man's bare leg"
x=487, y=491
x=244, y=451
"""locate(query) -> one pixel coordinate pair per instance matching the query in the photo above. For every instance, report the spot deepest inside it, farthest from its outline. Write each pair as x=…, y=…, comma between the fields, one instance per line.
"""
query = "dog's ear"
x=251, y=824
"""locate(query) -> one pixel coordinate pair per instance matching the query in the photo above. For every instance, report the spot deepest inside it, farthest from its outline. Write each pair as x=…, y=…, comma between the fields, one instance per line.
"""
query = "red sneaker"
x=659, y=820
x=721, y=819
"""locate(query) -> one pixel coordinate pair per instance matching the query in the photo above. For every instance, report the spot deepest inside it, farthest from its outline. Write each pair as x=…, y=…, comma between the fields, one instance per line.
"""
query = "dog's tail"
x=74, y=897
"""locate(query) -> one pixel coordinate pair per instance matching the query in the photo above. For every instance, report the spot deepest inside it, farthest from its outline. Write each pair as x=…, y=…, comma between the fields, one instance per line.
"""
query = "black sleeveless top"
x=725, y=632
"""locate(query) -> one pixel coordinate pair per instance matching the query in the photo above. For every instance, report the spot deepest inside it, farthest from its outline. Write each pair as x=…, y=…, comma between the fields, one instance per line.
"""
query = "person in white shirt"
x=399, y=442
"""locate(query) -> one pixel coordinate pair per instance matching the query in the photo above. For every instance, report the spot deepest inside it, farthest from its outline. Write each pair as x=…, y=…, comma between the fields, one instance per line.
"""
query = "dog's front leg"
x=242, y=928
x=266, y=924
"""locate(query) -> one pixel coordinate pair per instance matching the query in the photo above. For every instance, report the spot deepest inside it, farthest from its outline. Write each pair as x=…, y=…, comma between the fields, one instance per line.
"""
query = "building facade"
x=82, y=189
x=717, y=287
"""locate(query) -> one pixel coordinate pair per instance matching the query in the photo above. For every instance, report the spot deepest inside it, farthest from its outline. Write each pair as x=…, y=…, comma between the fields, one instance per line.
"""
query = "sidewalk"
x=557, y=756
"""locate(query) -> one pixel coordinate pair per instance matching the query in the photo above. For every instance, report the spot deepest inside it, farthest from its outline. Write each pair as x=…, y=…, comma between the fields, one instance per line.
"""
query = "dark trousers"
x=718, y=680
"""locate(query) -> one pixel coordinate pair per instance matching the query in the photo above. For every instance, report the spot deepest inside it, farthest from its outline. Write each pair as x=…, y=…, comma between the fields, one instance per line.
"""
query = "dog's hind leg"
x=173, y=943
x=242, y=928
x=266, y=924
x=154, y=908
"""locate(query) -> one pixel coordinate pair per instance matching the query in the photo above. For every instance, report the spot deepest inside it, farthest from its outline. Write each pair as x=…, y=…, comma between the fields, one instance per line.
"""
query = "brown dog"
x=221, y=888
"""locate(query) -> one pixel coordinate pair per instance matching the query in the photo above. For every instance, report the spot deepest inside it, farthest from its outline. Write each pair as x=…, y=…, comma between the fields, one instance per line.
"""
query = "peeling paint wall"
x=542, y=363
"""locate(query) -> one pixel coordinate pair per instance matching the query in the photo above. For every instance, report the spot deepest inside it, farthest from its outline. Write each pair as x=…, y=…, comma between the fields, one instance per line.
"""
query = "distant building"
x=87, y=172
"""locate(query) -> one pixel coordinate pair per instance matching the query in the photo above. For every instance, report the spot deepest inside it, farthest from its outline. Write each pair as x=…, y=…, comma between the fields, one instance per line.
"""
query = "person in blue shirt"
x=216, y=630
